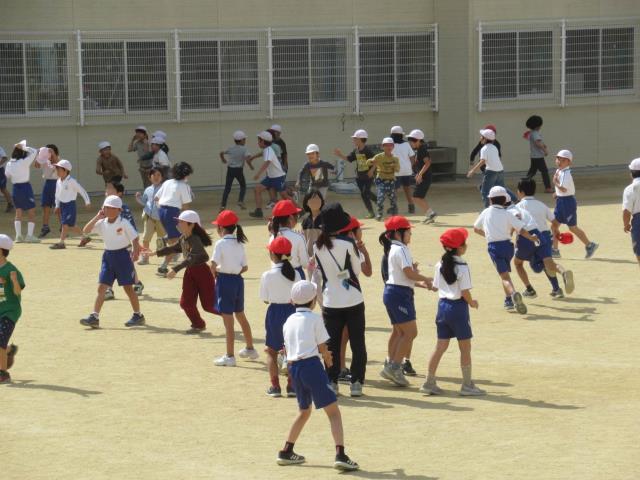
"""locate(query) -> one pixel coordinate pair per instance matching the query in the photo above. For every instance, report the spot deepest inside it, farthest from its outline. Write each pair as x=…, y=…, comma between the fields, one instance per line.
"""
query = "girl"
x=453, y=282
x=228, y=263
x=402, y=277
x=275, y=289
x=407, y=157
x=160, y=158
x=424, y=174
x=198, y=280
x=385, y=166
x=17, y=170
x=285, y=218
x=46, y=160
x=150, y=218
x=140, y=144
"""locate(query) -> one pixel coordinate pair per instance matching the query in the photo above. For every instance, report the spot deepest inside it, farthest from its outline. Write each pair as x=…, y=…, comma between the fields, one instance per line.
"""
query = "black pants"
x=538, y=164
x=234, y=173
x=364, y=183
x=335, y=320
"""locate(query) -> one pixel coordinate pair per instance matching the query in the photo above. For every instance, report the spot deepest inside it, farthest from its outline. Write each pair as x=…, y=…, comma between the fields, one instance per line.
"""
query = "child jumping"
x=11, y=286
x=631, y=207
x=385, y=165
x=275, y=177
x=18, y=171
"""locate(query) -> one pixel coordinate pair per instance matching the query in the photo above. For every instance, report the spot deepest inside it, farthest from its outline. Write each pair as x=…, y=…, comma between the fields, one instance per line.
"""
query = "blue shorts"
x=311, y=382
x=452, y=319
x=501, y=254
x=398, y=300
x=3, y=179
x=229, y=293
x=6, y=330
x=117, y=265
x=68, y=213
x=168, y=217
x=525, y=248
x=405, y=181
x=300, y=270
x=23, y=197
x=278, y=183
x=277, y=314
x=566, y=211
x=635, y=234
x=48, y=197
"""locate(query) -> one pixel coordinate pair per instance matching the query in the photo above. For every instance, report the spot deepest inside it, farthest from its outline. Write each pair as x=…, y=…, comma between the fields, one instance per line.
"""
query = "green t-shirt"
x=386, y=167
x=9, y=301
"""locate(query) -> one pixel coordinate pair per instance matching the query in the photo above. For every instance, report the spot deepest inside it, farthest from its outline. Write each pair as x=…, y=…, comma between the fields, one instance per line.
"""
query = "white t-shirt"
x=399, y=258
x=489, y=153
x=48, y=170
x=303, y=332
x=2, y=153
x=299, y=255
x=274, y=170
x=160, y=158
x=116, y=235
x=631, y=197
x=404, y=152
x=229, y=255
x=68, y=189
x=539, y=212
x=275, y=287
x=529, y=223
x=335, y=294
x=19, y=170
x=174, y=193
x=453, y=291
x=566, y=181
x=497, y=223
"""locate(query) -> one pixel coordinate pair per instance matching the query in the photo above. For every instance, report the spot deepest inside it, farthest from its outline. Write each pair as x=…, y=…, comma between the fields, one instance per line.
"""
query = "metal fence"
x=107, y=77
x=557, y=63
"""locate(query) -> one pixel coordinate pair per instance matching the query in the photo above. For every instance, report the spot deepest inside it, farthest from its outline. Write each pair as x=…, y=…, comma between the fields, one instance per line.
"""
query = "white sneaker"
x=356, y=389
x=471, y=391
x=19, y=239
x=271, y=204
x=431, y=389
x=250, y=353
x=225, y=361
x=32, y=239
x=569, y=285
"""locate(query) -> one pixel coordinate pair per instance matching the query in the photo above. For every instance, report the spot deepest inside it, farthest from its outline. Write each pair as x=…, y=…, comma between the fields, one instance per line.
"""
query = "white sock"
x=30, y=227
x=18, y=225
x=430, y=211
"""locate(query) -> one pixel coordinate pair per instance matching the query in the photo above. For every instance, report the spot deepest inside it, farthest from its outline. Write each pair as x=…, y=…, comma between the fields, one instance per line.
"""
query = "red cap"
x=353, y=223
x=226, y=218
x=454, y=237
x=280, y=246
x=491, y=127
x=565, y=238
x=397, y=222
x=284, y=208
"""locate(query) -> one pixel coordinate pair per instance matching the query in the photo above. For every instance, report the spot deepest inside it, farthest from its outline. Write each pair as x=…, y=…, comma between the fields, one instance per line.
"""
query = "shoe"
x=138, y=288
x=12, y=351
x=291, y=392
x=242, y=206
x=521, y=308
x=407, y=368
x=430, y=218
x=356, y=389
x=334, y=387
x=508, y=304
x=398, y=377
x=549, y=190
x=58, y=246
x=555, y=253
x=379, y=218
x=345, y=463
x=91, y=321
x=5, y=377
x=44, y=231
x=9, y=208
x=530, y=293
x=225, y=361
x=143, y=261
x=567, y=279
x=108, y=295
x=195, y=330
x=370, y=215
x=32, y=239
x=84, y=240
x=289, y=458
x=390, y=211
x=431, y=388
x=137, y=320
x=386, y=372
x=412, y=208
x=257, y=213
x=344, y=376
x=18, y=239
x=557, y=293
x=250, y=353
x=163, y=270
x=591, y=249
x=271, y=204
x=274, y=391
x=471, y=391
x=282, y=363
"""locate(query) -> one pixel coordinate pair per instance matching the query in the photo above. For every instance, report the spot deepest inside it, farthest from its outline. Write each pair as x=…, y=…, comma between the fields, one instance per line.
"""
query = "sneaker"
x=567, y=279
x=291, y=392
x=32, y=239
x=412, y=208
x=591, y=249
x=9, y=208
x=257, y=213
x=521, y=308
x=58, y=246
x=274, y=391
x=195, y=330
x=508, y=304
x=108, y=295
x=44, y=231
x=430, y=218
x=91, y=321
x=282, y=363
x=84, y=240
x=386, y=372
x=370, y=215
x=356, y=389
x=334, y=387
x=398, y=377
x=12, y=351
x=163, y=270
x=407, y=368
x=137, y=320
x=379, y=218
x=530, y=293
x=471, y=391
x=345, y=463
x=390, y=211
x=344, y=376
x=270, y=205
x=555, y=253
x=431, y=388
x=138, y=288
x=225, y=361
x=143, y=261
x=289, y=458
x=557, y=293
x=242, y=206
x=250, y=353
x=18, y=239
x=5, y=377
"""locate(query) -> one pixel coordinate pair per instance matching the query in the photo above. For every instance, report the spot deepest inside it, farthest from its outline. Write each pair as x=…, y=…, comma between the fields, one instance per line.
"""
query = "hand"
x=256, y=177
x=328, y=358
x=473, y=304
x=101, y=214
x=415, y=266
x=147, y=252
x=418, y=178
x=57, y=211
x=370, y=174
x=311, y=266
x=627, y=227
x=135, y=254
x=535, y=239
x=554, y=196
x=138, y=195
x=470, y=174
x=125, y=176
x=171, y=274
x=429, y=283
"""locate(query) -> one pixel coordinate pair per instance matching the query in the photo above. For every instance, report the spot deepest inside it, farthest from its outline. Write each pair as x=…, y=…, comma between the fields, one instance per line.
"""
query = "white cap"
x=303, y=292
x=159, y=133
x=498, y=191
x=5, y=242
x=239, y=135
x=21, y=144
x=311, y=148
x=360, y=133
x=397, y=129
x=488, y=134
x=635, y=164
x=157, y=140
x=565, y=154
x=276, y=128
x=66, y=164
x=387, y=140
x=417, y=134
x=102, y=145
x=189, y=216
x=142, y=127
x=266, y=136
x=113, y=201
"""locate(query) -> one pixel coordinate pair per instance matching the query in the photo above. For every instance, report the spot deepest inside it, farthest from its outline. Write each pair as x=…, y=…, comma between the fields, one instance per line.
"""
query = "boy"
x=631, y=207
x=235, y=157
x=276, y=132
x=11, y=286
x=150, y=216
x=117, y=261
x=316, y=170
x=140, y=144
x=424, y=175
x=495, y=223
x=108, y=165
x=305, y=340
x=538, y=150
x=275, y=177
x=386, y=166
x=566, y=211
x=3, y=181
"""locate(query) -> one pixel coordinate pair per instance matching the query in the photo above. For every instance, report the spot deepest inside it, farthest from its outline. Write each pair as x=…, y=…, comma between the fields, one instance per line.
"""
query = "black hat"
x=533, y=122
x=334, y=218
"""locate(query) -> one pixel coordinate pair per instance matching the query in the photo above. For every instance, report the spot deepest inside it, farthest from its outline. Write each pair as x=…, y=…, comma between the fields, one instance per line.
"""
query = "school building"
x=75, y=73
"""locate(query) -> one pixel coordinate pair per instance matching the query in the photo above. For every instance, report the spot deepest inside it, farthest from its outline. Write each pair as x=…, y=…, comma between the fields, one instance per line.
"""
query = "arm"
x=479, y=231
x=142, y=198
x=196, y=256
x=338, y=153
x=3, y=160
x=121, y=167
x=626, y=220
x=474, y=153
x=99, y=166
x=261, y=170
x=326, y=354
x=396, y=165
x=528, y=236
x=224, y=160
x=88, y=228
x=365, y=267
x=466, y=294
x=17, y=288
x=475, y=168
x=168, y=250
x=540, y=144
x=135, y=254
x=131, y=148
x=83, y=193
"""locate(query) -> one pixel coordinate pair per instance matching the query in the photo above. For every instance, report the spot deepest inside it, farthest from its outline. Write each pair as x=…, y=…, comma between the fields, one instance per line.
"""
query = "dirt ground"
x=117, y=403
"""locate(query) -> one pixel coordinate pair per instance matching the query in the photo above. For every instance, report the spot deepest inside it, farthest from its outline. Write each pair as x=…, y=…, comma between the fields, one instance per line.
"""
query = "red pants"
x=198, y=281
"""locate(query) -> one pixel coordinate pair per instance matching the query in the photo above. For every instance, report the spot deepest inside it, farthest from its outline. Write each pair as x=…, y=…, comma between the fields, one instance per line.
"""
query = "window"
x=309, y=71
x=33, y=77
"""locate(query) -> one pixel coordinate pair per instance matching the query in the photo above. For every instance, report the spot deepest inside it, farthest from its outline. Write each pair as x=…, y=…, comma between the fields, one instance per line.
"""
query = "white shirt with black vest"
x=337, y=291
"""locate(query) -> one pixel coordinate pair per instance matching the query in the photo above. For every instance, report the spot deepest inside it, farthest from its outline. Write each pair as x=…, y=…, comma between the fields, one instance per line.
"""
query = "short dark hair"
x=533, y=122
x=304, y=305
x=182, y=170
x=527, y=185
x=498, y=201
x=154, y=170
x=5, y=252
x=54, y=148
x=239, y=142
x=635, y=173
x=119, y=187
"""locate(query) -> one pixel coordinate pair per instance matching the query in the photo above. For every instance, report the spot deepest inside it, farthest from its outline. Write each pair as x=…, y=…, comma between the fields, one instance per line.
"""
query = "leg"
x=365, y=192
x=335, y=419
x=408, y=332
x=393, y=199
x=298, y=424
x=206, y=285
x=407, y=194
x=227, y=187
x=258, y=195
x=522, y=273
x=334, y=322
x=133, y=298
x=229, y=332
x=46, y=214
x=544, y=171
x=507, y=284
x=188, y=300
x=3, y=359
x=7, y=196
x=578, y=232
x=243, y=186
x=393, y=341
x=343, y=347
x=97, y=306
x=272, y=366
x=422, y=204
x=532, y=168
x=555, y=231
x=246, y=329
x=465, y=352
x=355, y=321
x=436, y=356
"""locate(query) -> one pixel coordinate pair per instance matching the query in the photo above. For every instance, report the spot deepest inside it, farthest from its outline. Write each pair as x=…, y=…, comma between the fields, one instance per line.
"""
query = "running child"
x=407, y=157
x=385, y=165
x=160, y=158
x=150, y=216
x=538, y=151
x=18, y=171
x=235, y=157
x=275, y=177
x=11, y=286
x=109, y=165
x=3, y=181
x=285, y=218
x=46, y=160
x=476, y=150
x=139, y=143
x=631, y=207
x=424, y=174
x=316, y=170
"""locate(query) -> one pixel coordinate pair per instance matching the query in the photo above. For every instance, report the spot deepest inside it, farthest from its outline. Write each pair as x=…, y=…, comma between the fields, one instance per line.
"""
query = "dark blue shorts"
x=405, y=181
x=117, y=265
x=168, y=217
x=398, y=300
x=277, y=314
x=6, y=330
x=311, y=382
x=48, y=198
x=525, y=248
x=501, y=254
x=278, y=183
x=635, y=234
x=3, y=179
x=23, y=197
x=566, y=211
x=300, y=270
x=421, y=189
x=229, y=293
x=452, y=319
x=68, y=213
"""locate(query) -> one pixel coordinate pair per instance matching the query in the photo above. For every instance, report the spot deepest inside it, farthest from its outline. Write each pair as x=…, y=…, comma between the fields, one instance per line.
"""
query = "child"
x=423, y=174
x=386, y=165
x=478, y=147
x=402, y=277
x=361, y=154
x=11, y=286
x=18, y=170
x=495, y=223
x=631, y=207
x=285, y=217
x=312, y=203
x=3, y=181
x=235, y=157
x=198, y=280
x=538, y=151
x=407, y=158
x=452, y=279
x=317, y=170
x=117, y=261
x=566, y=211
x=160, y=157
x=67, y=190
x=150, y=217
x=275, y=289
x=276, y=133
x=228, y=263
x=140, y=144
x=305, y=340
x=108, y=165
x=47, y=158
x=275, y=176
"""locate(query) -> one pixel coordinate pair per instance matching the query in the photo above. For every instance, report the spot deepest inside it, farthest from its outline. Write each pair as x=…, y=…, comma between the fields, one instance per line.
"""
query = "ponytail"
x=279, y=222
x=447, y=269
x=287, y=269
x=237, y=229
x=198, y=231
x=324, y=240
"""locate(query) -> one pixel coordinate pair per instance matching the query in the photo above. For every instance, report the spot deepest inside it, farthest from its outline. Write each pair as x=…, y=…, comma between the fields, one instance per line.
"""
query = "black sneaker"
x=257, y=213
x=163, y=270
x=6, y=378
x=289, y=458
x=530, y=292
x=11, y=353
x=344, y=376
x=137, y=320
x=44, y=231
x=274, y=391
x=407, y=368
x=291, y=392
x=412, y=208
x=91, y=321
x=343, y=462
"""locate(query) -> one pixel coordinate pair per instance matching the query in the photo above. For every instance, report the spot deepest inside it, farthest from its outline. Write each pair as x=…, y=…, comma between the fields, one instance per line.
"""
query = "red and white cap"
x=303, y=292
x=5, y=242
x=360, y=133
x=417, y=134
x=353, y=224
x=565, y=154
x=488, y=134
x=635, y=164
x=284, y=208
x=396, y=222
x=239, y=135
x=280, y=246
x=454, y=237
x=312, y=148
x=189, y=216
x=112, y=201
x=266, y=136
x=66, y=164
x=103, y=145
x=226, y=218
x=386, y=140
x=397, y=129
x=498, y=191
